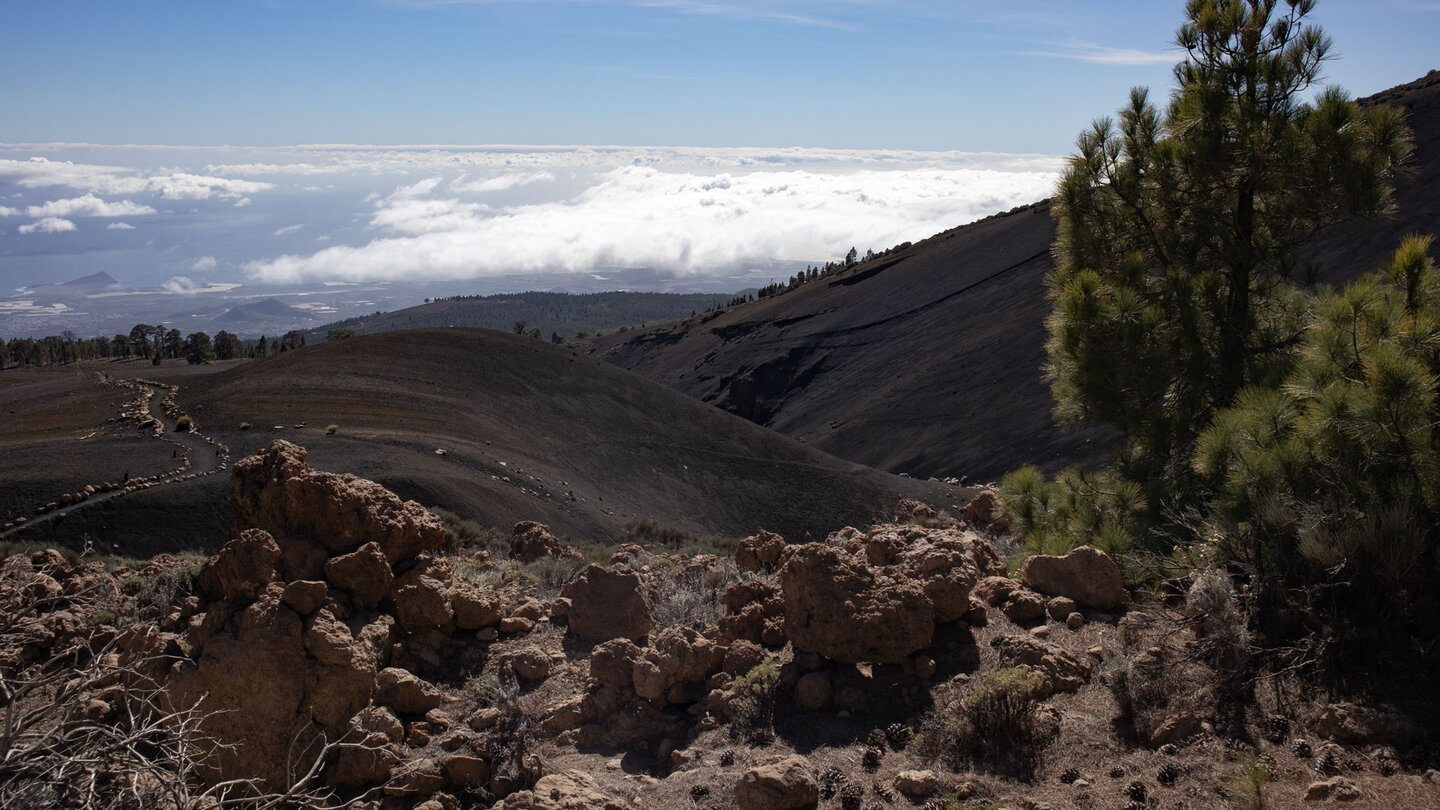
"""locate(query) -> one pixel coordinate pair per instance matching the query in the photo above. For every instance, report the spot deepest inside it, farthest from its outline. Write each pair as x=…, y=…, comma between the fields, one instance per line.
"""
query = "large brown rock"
x=1353, y=724
x=402, y=691
x=840, y=607
x=876, y=596
x=1087, y=575
x=532, y=541
x=363, y=573
x=259, y=687
x=986, y=512
x=571, y=790
x=759, y=552
x=277, y=491
x=785, y=784
x=421, y=602
x=1059, y=671
x=243, y=566
x=606, y=603
x=474, y=607
x=679, y=655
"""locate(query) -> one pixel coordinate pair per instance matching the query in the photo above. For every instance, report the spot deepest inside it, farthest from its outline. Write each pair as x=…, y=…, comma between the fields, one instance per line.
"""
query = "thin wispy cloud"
x=47, y=225
x=119, y=226
x=88, y=206
x=795, y=12
x=285, y=231
x=1101, y=54
x=504, y=182
x=204, y=263
x=39, y=172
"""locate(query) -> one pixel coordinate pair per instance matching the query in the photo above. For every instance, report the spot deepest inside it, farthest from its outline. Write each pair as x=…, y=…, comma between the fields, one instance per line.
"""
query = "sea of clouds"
x=181, y=218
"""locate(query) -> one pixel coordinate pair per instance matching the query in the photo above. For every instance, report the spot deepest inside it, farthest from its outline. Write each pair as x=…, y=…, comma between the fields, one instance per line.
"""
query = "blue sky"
x=976, y=75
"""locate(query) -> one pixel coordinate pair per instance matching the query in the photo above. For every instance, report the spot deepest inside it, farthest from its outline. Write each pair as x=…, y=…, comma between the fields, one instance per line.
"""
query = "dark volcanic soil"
x=928, y=361
x=529, y=432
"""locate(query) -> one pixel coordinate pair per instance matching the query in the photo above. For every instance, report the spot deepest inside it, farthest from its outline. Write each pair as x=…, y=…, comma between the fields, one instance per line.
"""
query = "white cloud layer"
x=39, y=172
x=47, y=225
x=88, y=206
x=682, y=222
x=502, y=183
x=6, y=211
x=534, y=163
x=119, y=226
x=182, y=285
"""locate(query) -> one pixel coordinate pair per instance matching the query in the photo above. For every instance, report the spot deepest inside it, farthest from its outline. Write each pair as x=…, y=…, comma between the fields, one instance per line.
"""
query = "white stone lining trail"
x=199, y=455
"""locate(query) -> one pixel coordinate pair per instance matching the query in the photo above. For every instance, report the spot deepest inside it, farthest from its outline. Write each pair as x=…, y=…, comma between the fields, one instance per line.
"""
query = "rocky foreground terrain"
x=346, y=647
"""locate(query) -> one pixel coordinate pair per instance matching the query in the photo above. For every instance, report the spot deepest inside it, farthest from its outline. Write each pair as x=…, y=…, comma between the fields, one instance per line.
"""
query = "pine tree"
x=1176, y=231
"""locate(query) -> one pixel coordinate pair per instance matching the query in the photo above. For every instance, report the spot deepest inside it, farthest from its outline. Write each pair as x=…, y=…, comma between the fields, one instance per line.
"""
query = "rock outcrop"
x=302, y=508
x=323, y=609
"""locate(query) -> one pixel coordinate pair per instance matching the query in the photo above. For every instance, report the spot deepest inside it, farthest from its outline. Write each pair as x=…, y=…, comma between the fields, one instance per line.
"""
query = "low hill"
x=565, y=313
x=928, y=361
x=530, y=431
x=270, y=309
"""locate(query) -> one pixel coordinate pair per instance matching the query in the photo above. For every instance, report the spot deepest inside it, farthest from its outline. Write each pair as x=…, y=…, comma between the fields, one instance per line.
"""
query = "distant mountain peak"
x=268, y=308
x=101, y=279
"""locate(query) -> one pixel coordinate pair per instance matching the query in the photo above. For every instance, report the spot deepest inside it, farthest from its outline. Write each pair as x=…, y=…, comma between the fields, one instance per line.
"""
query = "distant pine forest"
x=551, y=315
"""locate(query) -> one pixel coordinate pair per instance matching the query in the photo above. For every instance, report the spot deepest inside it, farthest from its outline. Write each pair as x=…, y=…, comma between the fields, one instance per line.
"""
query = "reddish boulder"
x=474, y=607
x=277, y=491
x=840, y=607
x=613, y=663
x=910, y=510
x=759, y=552
x=242, y=567
x=421, y=602
x=532, y=541
x=785, y=784
x=364, y=574
x=1087, y=575
x=606, y=603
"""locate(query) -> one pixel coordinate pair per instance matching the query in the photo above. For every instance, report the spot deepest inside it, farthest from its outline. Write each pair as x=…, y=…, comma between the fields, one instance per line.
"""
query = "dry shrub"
x=89, y=727
x=997, y=724
x=753, y=707
x=695, y=598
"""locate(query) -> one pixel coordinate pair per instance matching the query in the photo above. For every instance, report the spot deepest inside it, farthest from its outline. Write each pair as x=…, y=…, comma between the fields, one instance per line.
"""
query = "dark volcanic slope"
x=524, y=424
x=928, y=361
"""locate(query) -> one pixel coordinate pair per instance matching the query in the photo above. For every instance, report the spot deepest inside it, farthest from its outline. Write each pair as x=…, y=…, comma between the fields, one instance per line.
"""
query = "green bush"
x=655, y=537
x=134, y=585
x=1078, y=508
x=464, y=535
x=754, y=705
